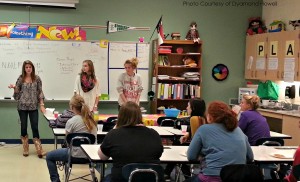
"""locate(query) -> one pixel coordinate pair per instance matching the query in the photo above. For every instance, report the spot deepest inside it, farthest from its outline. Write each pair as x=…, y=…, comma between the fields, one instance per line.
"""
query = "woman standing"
x=29, y=94
x=87, y=85
x=129, y=83
x=252, y=123
x=219, y=143
x=82, y=122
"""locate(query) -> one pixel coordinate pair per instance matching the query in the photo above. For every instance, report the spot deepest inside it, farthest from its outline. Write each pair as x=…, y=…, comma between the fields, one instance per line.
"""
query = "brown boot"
x=25, y=145
x=38, y=147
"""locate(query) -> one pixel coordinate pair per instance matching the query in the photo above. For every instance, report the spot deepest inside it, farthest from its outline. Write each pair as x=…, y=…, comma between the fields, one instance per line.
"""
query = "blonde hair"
x=133, y=62
x=79, y=105
x=252, y=100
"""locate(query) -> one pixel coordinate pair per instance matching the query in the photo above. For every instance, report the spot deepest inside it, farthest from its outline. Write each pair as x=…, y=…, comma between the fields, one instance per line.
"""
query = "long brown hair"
x=91, y=69
x=32, y=75
x=77, y=102
x=129, y=115
x=219, y=112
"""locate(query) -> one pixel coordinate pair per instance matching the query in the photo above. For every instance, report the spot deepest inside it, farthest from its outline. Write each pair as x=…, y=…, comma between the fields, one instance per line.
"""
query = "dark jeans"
x=34, y=122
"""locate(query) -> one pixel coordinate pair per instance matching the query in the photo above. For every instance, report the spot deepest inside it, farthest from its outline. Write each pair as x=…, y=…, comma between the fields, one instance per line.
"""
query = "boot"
x=38, y=147
x=25, y=145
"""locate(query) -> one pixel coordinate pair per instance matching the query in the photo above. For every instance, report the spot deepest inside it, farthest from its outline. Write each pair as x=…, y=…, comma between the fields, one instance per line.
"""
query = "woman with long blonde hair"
x=82, y=122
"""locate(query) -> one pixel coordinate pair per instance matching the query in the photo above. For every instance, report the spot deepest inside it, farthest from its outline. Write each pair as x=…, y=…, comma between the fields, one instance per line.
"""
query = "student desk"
x=171, y=154
x=57, y=132
x=279, y=135
x=177, y=154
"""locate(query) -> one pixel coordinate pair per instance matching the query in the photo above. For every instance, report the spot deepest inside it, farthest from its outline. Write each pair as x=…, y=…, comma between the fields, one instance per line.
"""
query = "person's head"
x=250, y=102
x=193, y=25
x=129, y=115
x=196, y=107
x=28, y=69
x=88, y=68
x=78, y=106
x=219, y=112
x=130, y=65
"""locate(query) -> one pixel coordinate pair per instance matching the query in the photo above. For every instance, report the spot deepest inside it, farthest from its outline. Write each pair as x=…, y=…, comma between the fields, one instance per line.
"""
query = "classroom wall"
x=222, y=29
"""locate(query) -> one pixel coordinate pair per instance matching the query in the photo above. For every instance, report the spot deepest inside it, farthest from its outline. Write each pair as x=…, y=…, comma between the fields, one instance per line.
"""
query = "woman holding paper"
x=29, y=95
x=129, y=83
x=87, y=85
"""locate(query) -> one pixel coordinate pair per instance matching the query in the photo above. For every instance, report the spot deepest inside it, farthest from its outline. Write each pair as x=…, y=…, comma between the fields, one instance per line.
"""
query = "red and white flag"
x=160, y=31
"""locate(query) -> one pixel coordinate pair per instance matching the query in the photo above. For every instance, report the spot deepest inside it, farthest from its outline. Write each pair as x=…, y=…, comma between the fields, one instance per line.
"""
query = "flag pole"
x=155, y=28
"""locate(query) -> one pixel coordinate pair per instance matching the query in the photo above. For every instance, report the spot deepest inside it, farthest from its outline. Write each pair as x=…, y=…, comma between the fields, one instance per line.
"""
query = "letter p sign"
x=260, y=49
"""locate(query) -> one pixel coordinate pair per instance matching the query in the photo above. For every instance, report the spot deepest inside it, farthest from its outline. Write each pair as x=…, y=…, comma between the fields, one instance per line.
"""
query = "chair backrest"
x=270, y=142
x=136, y=172
x=112, y=119
x=241, y=173
x=107, y=126
x=77, y=139
x=166, y=121
x=296, y=172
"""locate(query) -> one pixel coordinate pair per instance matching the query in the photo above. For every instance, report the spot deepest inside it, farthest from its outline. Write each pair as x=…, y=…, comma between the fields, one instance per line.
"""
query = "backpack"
x=61, y=120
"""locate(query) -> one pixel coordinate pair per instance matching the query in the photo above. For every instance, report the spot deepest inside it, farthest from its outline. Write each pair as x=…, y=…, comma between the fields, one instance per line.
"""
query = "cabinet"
x=174, y=90
x=291, y=126
x=273, y=56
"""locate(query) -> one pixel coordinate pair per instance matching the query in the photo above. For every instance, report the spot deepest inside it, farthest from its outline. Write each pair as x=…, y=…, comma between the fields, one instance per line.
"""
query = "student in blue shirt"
x=219, y=143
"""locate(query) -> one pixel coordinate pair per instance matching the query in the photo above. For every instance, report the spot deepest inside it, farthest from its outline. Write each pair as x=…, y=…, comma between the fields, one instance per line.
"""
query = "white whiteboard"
x=59, y=62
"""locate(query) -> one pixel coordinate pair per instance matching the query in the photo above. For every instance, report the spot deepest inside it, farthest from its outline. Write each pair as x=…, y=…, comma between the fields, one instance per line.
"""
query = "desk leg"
x=55, y=141
x=102, y=171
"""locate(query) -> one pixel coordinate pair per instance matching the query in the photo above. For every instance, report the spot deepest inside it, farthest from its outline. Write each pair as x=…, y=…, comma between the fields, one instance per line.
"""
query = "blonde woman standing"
x=82, y=122
x=29, y=95
x=129, y=84
x=87, y=85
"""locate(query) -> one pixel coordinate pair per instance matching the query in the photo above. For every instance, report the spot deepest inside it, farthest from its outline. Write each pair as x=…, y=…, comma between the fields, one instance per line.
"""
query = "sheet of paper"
x=273, y=64
x=289, y=70
x=250, y=62
x=260, y=64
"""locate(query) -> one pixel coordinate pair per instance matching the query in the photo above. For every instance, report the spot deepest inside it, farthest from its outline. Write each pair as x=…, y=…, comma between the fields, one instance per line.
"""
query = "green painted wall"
x=222, y=28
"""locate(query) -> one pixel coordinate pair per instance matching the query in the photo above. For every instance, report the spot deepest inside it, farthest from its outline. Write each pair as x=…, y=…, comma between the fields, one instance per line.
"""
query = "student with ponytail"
x=219, y=143
x=82, y=122
x=129, y=84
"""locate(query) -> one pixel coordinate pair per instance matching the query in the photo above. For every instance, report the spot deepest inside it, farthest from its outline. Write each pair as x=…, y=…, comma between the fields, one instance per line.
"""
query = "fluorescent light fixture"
x=53, y=3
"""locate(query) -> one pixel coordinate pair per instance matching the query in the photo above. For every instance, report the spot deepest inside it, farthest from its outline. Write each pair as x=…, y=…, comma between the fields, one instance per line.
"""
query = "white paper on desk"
x=284, y=154
x=49, y=112
x=184, y=153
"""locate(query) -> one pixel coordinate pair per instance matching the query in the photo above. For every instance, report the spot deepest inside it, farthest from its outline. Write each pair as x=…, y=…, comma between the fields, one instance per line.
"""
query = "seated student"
x=195, y=109
x=82, y=122
x=291, y=177
x=252, y=123
x=130, y=142
x=218, y=143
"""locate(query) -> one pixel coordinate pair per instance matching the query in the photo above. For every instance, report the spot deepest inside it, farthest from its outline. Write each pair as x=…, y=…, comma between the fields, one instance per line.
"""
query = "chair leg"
x=68, y=170
x=92, y=170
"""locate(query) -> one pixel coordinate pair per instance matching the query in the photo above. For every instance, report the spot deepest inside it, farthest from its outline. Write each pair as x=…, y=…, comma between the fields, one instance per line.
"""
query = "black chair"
x=296, y=172
x=75, y=140
x=270, y=142
x=112, y=119
x=272, y=167
x=166, y=121
x=241, y=173
x=146, y=172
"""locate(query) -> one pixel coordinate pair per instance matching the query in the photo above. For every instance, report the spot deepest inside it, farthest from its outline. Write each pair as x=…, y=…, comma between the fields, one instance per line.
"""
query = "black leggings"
x=34, y=122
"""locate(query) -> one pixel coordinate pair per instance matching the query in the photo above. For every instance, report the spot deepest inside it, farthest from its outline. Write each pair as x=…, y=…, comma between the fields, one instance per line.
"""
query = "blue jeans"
x=34, y=122
x=51, y=158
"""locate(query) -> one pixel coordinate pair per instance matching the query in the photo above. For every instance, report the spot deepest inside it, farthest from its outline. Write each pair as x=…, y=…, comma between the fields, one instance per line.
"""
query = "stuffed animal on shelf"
x=277, y=26
x=295, y=23
x=193, y=33
x=255, y=26
x=189, y=62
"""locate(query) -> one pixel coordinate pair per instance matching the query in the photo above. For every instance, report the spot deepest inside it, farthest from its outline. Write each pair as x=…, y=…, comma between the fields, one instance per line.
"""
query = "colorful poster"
x=3, y=30
x=60, y=33
x=23, y=32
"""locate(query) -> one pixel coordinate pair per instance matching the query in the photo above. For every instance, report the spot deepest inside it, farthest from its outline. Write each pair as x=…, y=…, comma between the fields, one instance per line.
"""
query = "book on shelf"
x=176, y=78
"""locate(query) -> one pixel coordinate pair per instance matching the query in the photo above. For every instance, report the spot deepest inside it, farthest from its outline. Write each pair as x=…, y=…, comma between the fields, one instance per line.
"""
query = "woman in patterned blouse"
x=29, y=95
